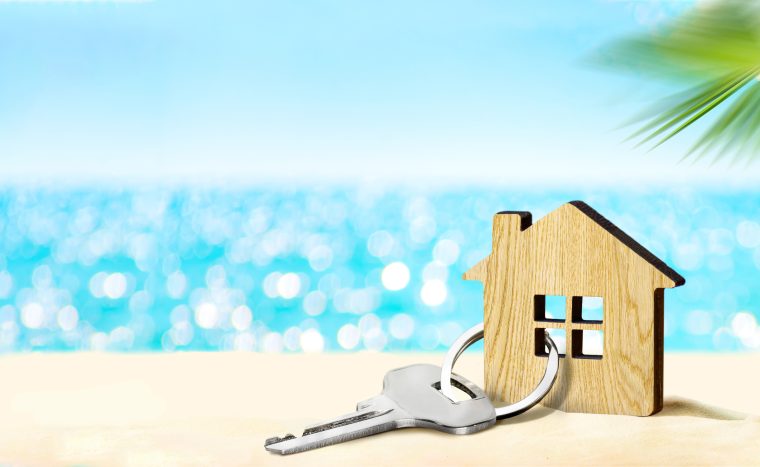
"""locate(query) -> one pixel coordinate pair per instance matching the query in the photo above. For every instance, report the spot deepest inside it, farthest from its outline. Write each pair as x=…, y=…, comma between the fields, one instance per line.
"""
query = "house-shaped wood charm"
x=547, y=275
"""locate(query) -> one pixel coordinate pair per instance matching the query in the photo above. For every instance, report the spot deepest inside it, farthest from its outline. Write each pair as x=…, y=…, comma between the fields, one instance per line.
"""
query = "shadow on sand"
x=681, y=407
x=533, y=414
x=672, y=407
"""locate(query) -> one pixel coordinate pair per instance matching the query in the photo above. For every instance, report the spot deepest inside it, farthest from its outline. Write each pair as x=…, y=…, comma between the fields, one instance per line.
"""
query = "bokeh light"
x=395, y=276
x=328, y=270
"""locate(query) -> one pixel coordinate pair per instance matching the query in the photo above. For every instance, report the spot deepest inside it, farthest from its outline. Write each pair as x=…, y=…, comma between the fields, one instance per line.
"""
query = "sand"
x=217, y=409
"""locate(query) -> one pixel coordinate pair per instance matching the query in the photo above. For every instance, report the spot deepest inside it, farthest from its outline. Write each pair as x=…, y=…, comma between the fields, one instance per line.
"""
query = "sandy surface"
x=217, y=409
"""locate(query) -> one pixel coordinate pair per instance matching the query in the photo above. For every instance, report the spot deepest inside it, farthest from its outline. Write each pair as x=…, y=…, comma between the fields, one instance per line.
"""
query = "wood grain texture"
x=574, y=252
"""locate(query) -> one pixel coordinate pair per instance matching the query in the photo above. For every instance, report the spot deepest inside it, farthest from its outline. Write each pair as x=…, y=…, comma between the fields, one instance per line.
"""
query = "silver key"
x=410, y=398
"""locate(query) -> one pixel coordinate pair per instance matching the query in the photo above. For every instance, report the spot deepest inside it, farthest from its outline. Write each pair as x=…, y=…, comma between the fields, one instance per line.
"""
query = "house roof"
x=635, y=246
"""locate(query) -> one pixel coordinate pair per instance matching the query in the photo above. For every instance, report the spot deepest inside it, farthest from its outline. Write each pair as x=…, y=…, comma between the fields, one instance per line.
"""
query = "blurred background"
x=316, y=176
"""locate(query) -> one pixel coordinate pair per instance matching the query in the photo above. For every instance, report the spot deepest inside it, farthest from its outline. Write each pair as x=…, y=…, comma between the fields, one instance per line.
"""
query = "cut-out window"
x=588, y=344
x=587, y=310
x=557, y=335
x=585, y=329
x=549, y=308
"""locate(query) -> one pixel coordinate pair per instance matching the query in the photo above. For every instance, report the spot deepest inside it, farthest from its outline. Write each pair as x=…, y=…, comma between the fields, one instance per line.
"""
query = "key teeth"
x=277, y=439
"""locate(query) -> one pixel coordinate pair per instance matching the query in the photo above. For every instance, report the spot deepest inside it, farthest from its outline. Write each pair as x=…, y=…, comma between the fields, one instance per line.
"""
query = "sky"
x=491, y=92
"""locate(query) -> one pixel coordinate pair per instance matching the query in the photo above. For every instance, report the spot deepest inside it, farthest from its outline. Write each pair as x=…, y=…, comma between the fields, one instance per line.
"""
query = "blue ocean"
x=330, y=270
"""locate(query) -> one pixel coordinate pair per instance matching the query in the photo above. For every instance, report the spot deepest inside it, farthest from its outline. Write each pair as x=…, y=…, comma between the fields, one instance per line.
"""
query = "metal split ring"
x=473, y=335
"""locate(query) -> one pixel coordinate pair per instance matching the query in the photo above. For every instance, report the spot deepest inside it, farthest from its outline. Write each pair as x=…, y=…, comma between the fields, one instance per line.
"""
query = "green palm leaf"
x=717, y=49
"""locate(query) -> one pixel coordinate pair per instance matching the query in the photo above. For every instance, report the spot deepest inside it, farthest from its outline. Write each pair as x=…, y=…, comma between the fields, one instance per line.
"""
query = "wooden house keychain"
x=574, y=253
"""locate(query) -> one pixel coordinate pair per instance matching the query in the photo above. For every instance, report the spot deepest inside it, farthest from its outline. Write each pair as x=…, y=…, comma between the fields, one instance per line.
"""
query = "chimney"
x=505, y=224
x=510, y=223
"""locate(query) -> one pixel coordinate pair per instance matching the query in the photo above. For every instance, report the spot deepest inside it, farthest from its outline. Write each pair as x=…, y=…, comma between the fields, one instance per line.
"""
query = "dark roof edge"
x=637, y=248
x=526, y=218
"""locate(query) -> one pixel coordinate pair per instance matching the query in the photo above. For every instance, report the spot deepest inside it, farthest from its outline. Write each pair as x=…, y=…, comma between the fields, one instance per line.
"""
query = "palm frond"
x=717, y=50
x=737, y=126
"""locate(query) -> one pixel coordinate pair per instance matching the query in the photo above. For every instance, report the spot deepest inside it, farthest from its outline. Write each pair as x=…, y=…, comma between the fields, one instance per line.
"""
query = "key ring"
x=473, y=335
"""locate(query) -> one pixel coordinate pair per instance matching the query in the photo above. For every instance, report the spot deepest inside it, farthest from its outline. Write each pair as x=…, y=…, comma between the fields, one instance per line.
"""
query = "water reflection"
x=325, y=270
